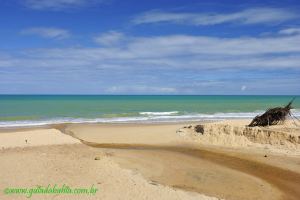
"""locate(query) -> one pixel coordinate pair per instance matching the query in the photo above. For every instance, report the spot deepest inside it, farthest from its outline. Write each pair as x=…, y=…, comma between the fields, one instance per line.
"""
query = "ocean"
x=30, y=110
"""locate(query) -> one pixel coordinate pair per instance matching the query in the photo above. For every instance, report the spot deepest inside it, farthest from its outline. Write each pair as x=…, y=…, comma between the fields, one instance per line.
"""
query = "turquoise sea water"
x=21, y=110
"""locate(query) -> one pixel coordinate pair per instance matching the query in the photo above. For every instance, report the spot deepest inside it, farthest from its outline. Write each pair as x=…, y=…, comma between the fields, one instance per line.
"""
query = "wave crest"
x=159, y=113
x=143, y=117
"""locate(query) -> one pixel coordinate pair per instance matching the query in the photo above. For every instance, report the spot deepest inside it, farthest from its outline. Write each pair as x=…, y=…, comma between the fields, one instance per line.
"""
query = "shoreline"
x=142, y=118
x=170, y=117
x=55, y=125
x=149, y=153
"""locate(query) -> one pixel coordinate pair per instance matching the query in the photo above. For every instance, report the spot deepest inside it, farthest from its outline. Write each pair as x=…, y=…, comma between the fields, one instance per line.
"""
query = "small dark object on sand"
x=199, y=129
x=272, y=116
x=265, y=156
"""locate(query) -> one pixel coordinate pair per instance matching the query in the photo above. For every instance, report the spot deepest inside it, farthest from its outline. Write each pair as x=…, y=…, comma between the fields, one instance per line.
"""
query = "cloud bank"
x=244, y=17
x=168, y=52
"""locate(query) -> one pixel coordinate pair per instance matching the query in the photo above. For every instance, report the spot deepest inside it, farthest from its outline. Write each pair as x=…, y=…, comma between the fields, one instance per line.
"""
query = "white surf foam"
x=146, y=117
x=159, y=113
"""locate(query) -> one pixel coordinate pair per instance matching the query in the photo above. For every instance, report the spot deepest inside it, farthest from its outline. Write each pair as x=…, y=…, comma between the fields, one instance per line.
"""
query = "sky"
x=150, y=47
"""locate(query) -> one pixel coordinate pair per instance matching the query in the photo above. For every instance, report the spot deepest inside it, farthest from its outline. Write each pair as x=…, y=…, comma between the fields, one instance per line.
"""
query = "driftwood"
x=272, y=116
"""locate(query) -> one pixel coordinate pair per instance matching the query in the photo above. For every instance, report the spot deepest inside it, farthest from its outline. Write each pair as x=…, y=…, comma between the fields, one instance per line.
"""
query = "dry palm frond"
x=272, y=116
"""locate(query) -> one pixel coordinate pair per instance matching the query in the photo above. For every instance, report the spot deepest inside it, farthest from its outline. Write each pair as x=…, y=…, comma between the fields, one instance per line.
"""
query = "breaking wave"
x=141, y=117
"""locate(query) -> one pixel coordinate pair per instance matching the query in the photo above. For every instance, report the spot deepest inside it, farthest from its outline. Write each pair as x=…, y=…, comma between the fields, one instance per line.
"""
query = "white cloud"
x=57, y=4
x=47, y=32
x=192, y=45
x=109, y=38
x=290, y=31
x=249, y=16
x=184, y=46
x=243, y=88
x=171, y=52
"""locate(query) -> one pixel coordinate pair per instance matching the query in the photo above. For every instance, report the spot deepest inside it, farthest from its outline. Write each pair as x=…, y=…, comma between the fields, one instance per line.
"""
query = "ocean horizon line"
x=150, y=95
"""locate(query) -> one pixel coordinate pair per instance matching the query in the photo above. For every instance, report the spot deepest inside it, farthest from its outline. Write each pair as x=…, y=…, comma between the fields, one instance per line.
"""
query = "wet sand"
x=227, y=176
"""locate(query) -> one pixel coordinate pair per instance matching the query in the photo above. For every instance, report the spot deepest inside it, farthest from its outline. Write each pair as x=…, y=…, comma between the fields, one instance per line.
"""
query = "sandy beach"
x=225, y=160
x=149, y=100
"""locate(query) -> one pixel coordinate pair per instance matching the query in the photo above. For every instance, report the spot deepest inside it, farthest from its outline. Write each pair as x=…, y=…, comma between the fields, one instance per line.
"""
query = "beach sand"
x=154, y=161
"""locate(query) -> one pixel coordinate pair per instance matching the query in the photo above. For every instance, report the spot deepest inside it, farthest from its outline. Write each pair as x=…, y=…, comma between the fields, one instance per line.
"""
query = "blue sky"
x=149, y=47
